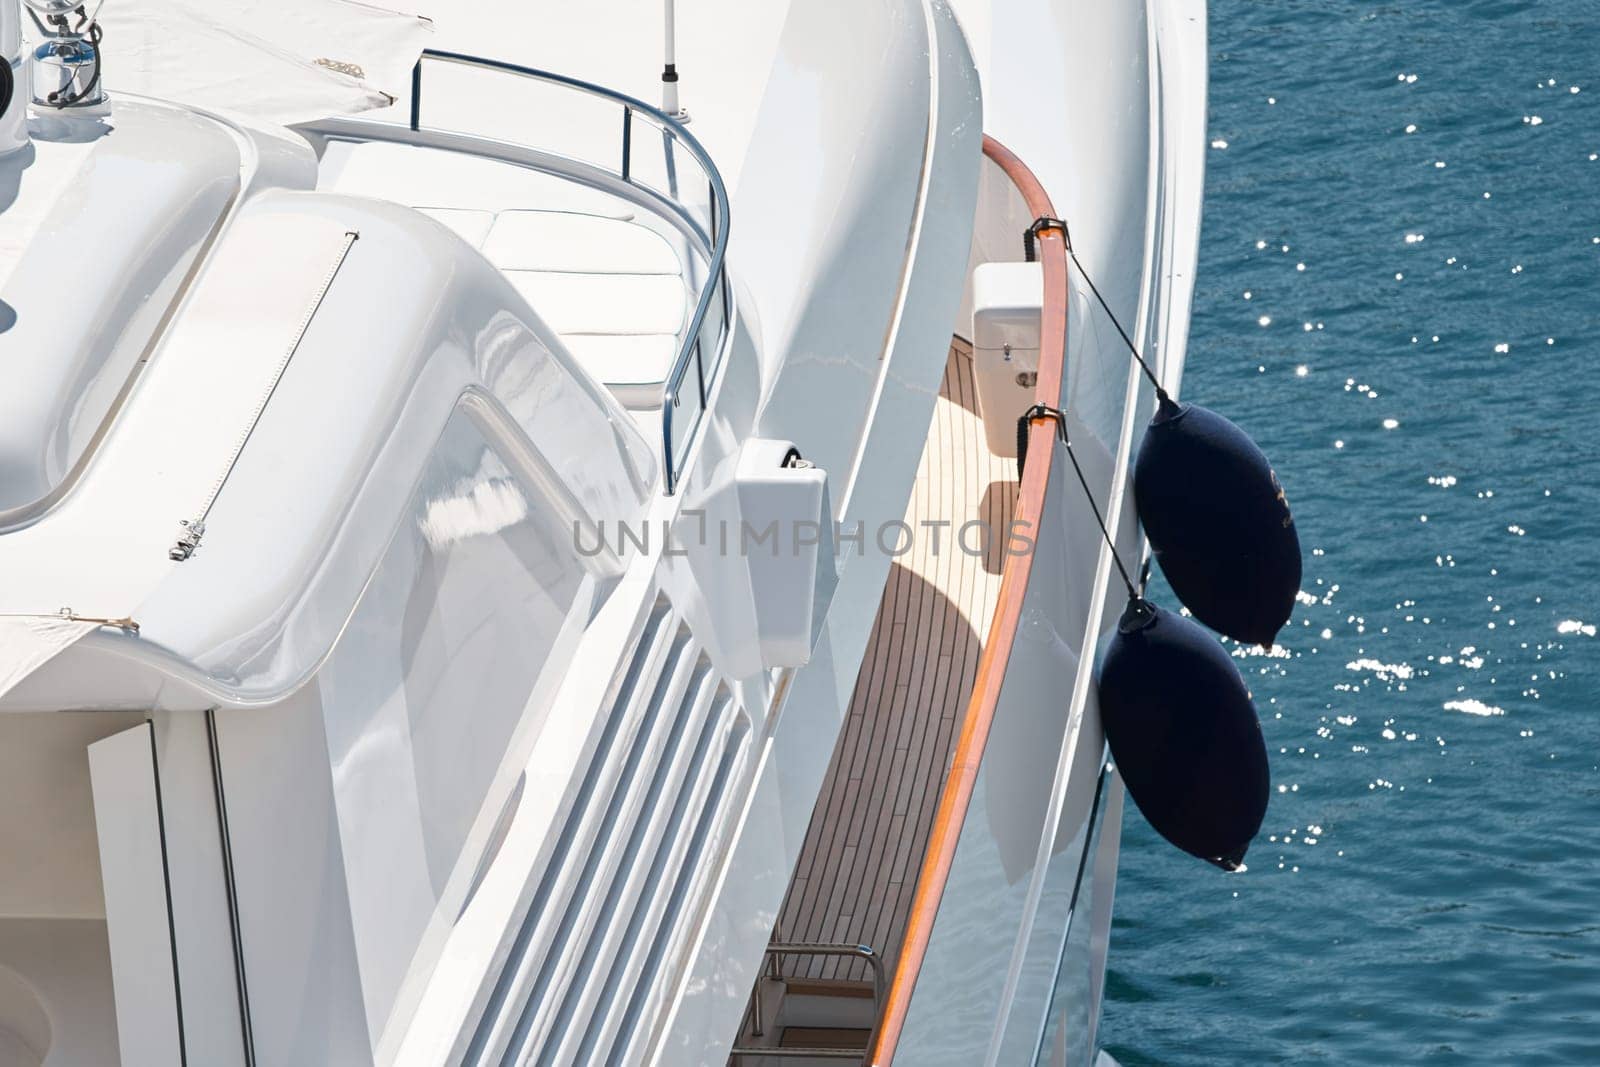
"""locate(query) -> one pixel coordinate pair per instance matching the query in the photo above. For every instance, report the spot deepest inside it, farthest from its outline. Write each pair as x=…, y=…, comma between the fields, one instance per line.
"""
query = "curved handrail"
x=827, y=948
x=956, y=795
x=716, y=243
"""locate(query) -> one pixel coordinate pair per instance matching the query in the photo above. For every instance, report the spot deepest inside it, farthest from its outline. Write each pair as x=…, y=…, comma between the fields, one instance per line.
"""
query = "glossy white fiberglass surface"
x=114, y=210
x=351, y=872
x=360, y=407
x=871, y=428
x=320, y=485
x=963, y=986
x=373, y=968
x=860, y=121
x=1125, y=176
x=460, y=636
x=1066, y=88
x=397, y=522
x=1074, y=1013
x=716, y=980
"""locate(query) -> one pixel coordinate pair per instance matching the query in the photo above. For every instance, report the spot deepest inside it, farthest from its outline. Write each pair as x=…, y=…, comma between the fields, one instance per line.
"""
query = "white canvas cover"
x=282, y=61
x=28, y=642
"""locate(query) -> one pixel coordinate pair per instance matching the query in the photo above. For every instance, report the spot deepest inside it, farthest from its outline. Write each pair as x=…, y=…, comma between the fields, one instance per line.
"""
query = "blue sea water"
x=1399, y=297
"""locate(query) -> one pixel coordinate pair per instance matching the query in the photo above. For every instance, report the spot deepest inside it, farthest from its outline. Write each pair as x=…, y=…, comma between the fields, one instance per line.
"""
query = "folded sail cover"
x=282, y=61
x=28, y=642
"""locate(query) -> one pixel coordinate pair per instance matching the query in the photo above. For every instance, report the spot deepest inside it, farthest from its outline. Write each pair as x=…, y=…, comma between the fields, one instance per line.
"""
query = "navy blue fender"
x=1184, y=734
x=1218, y=522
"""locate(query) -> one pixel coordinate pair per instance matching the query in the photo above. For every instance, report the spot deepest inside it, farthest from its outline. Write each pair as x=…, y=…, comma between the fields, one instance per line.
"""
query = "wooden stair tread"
x=807, y=988
x=823, y=1037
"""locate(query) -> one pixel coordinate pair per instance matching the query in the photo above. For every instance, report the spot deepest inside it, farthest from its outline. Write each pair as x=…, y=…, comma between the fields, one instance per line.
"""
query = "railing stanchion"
x=667, y=141
x=700, y=372
x=669, y=474
x=627, y=145
x=416, y=95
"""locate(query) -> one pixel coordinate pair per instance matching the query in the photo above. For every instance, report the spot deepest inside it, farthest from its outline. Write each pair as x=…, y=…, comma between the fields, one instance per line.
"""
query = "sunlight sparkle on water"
x=1356, y=698
x=1385, y=671
x=1471, y=706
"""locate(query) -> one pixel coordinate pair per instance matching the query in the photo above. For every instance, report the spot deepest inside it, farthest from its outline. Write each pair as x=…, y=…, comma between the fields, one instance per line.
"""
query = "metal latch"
x=188, y=540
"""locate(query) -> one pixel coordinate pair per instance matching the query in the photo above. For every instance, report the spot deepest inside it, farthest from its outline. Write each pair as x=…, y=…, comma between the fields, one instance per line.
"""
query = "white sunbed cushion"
x=605, y=303
x=633, y=366
x=577, y=243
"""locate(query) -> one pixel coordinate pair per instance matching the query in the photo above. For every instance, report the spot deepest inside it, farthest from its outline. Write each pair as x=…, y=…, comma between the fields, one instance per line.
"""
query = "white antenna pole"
x=669, y=73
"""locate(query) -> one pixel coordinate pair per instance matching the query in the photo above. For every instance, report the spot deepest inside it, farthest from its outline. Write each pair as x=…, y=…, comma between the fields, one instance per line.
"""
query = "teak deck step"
x=800, y=987
x=823, y=1037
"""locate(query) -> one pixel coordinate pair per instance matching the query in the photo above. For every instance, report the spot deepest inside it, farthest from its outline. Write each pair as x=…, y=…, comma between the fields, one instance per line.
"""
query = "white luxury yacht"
x=512, y=548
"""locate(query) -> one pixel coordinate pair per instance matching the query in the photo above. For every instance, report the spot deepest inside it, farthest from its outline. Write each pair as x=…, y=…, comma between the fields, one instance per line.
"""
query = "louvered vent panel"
x=577, y=984
x=622, y=1035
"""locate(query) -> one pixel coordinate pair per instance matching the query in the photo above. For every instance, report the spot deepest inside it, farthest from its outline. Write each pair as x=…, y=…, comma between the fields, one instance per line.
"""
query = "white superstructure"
x=439, y=546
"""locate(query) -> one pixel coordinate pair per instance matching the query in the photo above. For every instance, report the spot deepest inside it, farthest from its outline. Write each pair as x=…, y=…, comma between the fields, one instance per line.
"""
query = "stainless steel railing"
x=670, y=193
x=775, y=952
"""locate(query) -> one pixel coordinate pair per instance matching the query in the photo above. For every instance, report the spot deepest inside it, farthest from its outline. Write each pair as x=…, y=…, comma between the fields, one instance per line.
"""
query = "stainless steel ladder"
x=775, y=952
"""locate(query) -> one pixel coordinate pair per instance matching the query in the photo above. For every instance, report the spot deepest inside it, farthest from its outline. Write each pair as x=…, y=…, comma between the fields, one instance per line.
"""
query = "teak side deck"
x=859, y=864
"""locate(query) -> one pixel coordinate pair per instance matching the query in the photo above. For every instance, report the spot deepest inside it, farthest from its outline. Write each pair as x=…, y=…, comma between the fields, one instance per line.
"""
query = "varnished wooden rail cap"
x=956, y=796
